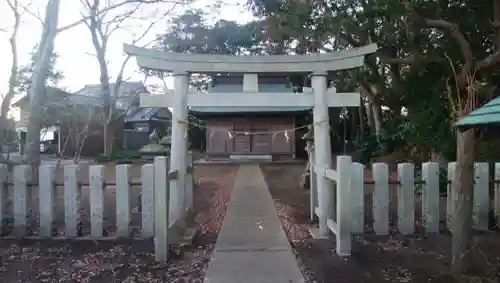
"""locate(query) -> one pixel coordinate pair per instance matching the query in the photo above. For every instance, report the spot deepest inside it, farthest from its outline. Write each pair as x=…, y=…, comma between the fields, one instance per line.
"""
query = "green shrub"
x=118, y=156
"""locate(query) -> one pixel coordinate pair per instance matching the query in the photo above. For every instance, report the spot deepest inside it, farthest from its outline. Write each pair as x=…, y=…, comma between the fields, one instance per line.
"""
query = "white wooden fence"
x=160, y=209
x=351, y=189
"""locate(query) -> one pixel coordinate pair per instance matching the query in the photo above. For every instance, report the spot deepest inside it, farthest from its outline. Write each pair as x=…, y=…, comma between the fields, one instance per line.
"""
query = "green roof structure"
x=486, y=114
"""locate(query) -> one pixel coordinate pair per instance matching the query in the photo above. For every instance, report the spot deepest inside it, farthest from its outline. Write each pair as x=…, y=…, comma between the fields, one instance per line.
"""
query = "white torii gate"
x=320, y=98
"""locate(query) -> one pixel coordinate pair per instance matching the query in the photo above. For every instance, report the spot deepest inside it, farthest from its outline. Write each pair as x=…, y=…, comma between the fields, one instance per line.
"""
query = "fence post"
x=406, y=198
x=481, y=196
x=162, y=205
x=381, y=198
x=174, y=197
x=96, y=191
x=357, y=198
x=4, y=192
x=344, y=212
x=497, y=194
x=22, y=175
x=46, y=199
x=189, y=184
x=430, y=197
x=122, y=200
x=71, y=200
x=147, y=199
x=451, y=194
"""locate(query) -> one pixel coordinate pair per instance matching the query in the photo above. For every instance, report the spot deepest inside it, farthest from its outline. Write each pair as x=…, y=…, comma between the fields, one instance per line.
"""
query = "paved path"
x=252, y=246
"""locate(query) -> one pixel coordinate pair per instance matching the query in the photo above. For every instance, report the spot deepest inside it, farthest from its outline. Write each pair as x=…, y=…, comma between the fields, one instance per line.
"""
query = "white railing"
x=352, y=187
x=38, y=201
x=339, y=224
x=343, y=227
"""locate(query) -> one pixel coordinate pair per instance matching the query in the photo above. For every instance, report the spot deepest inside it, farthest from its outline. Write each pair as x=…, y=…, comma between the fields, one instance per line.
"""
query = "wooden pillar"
x=323, y=151
x=178, y=153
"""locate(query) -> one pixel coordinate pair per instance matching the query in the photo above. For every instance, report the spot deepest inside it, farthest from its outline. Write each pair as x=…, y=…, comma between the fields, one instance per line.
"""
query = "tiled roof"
x=125, y=89
x=146, y=114
x=487, y=114
x=52, y=93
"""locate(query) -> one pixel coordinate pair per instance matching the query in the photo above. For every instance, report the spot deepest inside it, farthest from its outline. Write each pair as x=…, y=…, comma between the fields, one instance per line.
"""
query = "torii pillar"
x=323, y=151
x=179, y=148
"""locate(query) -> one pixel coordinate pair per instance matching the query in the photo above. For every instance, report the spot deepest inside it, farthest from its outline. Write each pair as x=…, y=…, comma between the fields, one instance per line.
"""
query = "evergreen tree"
x=26, y=72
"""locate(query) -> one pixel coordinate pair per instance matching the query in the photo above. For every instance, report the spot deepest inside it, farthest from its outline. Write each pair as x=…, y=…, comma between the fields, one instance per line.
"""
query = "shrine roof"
x=238, y=90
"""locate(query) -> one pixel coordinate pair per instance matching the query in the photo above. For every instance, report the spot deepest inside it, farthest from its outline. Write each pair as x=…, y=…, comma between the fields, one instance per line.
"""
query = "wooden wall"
x=221, y=144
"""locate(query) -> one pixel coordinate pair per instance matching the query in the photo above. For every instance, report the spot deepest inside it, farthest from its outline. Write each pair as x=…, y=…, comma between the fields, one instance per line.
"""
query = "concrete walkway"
x=252, y=246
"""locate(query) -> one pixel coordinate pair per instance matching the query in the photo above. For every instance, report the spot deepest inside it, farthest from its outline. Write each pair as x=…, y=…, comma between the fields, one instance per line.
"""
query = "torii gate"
x=321, y=97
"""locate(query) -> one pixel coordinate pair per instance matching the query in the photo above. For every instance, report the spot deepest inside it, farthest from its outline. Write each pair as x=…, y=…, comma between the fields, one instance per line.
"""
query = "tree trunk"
x=13, y=78
x=107, y=105
x=107, y=100
x=38, y=89
x=361, y=113
x=462, y=220
x=100, y=48
x=107, y=132
x=377, y=119
x=369, y=116
x=373, y=109
x=5, y=105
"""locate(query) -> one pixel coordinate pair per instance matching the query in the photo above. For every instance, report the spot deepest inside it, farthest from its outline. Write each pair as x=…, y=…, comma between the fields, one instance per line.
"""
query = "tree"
x=13, y=81
x=435, y=55
x=102, y=22
x=25, y=73
x=25, y=82
x=476, y=54
x=190, y=33
x=42, y=65
x=50, y=30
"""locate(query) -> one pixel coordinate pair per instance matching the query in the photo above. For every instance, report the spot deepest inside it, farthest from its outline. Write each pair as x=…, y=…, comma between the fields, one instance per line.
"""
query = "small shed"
x=139, y=123
x=484, y=115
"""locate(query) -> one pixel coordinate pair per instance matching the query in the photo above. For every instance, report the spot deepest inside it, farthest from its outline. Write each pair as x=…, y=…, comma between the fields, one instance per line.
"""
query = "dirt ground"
x=375, y=259
x=124, y=260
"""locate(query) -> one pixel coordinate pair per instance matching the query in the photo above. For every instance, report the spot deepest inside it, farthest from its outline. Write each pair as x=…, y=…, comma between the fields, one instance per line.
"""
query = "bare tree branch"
x=118, y=5
x=101, y=29
x=26, y=9
x=469, y=64
x=119, y=78
x=13, y=79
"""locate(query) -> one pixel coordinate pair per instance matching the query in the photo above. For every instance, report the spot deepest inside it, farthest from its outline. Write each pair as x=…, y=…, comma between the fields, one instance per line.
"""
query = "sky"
x=74, y=46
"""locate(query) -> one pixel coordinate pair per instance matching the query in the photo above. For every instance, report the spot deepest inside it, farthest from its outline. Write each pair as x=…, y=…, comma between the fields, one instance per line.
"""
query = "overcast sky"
x=74, y=46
